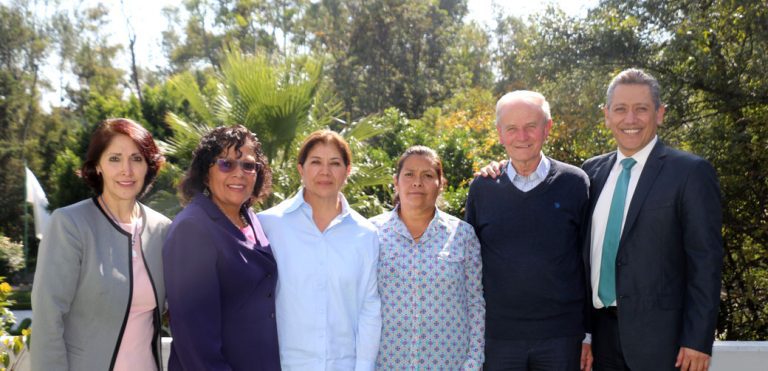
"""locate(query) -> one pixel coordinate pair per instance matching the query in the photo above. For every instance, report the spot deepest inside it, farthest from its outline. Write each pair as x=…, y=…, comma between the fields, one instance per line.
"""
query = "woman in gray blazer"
x=98, y=290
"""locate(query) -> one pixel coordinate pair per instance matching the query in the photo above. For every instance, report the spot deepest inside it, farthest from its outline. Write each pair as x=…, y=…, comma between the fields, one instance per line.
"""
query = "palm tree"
x=280, y=101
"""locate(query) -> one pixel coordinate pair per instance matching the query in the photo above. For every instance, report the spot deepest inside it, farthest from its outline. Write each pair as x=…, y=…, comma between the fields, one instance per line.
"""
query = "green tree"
x=710, y=58
x=280, y=102
x=387, y=53
x=23, y=45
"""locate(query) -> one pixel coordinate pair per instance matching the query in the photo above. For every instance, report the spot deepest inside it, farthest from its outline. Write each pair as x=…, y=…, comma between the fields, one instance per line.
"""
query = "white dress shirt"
x=327, y=303
x=529, y=182
x=603, y=206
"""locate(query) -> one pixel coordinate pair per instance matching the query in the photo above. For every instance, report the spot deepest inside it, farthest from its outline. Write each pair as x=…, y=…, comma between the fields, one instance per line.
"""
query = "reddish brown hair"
x=100, y=139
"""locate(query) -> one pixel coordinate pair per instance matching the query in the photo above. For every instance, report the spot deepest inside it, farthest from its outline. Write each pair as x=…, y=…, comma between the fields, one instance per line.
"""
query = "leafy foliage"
x=11, y=256
x=14, y=349
x=278, y=103
x=389, y=74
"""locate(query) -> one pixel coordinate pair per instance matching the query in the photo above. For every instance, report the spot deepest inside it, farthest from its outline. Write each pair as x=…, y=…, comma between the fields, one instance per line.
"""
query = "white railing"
x=740, y=356
x=726, y=356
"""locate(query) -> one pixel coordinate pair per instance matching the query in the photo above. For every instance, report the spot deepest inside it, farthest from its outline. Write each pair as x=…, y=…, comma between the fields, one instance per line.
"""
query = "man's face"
x=522, y=129
x=632, y=117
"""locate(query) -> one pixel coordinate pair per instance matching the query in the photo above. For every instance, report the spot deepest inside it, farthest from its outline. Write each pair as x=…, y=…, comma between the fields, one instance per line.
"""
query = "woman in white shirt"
x=327, y=303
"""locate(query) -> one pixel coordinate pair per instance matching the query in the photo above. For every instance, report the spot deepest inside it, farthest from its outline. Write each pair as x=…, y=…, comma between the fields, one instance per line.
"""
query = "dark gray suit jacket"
x=669, y=262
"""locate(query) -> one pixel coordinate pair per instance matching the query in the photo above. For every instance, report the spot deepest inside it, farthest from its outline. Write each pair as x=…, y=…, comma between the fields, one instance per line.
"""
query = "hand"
x=586, y=357
x=491, y=170
x=692, y=360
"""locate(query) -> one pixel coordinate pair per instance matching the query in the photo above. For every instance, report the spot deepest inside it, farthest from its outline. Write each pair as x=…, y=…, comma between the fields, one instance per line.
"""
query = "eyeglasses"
x=226, y=165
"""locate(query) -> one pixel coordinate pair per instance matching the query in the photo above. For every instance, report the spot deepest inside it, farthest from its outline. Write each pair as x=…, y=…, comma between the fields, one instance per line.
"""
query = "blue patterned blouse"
x=432, y=307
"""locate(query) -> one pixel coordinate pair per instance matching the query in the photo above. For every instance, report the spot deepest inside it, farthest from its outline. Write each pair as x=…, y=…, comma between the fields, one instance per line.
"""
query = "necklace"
x=135, y=224
x=244, y=220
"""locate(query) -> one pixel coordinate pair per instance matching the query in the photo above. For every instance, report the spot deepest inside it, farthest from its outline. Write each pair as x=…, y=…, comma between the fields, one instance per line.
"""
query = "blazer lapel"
x=598, y=181
x=598, y=175
x=647, y=178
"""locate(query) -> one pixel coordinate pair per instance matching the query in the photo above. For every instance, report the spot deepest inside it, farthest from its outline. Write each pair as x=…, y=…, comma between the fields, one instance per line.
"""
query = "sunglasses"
x=226, y=165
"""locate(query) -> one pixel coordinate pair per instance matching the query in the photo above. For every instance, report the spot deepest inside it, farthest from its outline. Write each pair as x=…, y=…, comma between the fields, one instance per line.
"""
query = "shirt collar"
x=640, y=156
x=541, y=170
x=399, y=226
x=298, y=201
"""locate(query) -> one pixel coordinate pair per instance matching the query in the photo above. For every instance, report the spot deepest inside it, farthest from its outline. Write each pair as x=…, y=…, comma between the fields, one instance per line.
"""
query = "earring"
x=206, y=192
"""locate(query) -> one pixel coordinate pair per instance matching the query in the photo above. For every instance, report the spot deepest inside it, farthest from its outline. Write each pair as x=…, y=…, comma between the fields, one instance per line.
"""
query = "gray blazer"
x=83, y=285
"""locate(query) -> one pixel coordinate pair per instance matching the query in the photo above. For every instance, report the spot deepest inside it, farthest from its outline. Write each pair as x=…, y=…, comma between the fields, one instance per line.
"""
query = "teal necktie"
x=607, y=287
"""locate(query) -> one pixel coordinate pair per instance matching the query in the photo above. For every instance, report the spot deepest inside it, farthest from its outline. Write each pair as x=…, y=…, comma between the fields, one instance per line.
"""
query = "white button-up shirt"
x=327, y=302
x=528, y=182
x=603, y=206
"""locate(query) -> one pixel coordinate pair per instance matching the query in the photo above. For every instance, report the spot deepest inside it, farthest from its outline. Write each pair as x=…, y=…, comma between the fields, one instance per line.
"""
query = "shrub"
x=11, y=256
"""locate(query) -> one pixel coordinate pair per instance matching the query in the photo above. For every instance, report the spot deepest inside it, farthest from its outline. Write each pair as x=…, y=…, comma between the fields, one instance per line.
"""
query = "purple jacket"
x=220, y=293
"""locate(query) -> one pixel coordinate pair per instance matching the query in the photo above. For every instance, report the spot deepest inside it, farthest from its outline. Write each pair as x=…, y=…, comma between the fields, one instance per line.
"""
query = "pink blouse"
x=135, y=351
x=248, y=233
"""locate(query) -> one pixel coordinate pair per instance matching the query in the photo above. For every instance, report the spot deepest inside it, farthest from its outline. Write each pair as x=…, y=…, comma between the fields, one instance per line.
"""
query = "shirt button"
x=272, y=315
x=269, y=275
x=269, y=295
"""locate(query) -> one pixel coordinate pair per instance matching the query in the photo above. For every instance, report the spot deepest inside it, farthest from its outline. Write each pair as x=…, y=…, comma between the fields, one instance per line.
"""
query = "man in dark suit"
x=655, y=249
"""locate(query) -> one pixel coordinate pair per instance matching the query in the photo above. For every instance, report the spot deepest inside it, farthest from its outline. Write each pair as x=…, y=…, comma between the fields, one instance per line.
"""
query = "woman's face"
x=122, y=168
x=323, y=172
x=229, y=183
x=418, y=184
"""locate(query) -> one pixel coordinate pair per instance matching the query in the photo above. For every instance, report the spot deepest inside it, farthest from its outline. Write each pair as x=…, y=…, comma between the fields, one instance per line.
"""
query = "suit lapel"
x=598, y=175
x=598, y=181
x=647, y=178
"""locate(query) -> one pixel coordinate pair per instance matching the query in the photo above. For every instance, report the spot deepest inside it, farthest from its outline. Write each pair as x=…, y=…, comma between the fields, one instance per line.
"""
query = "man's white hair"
x=526, y=96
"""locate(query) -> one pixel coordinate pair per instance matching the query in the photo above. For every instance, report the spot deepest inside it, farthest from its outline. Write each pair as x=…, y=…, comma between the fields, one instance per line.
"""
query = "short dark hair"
x=635, y=76
x=427, y=152
x=325, y=137
x=100, y=139
x=213, y=144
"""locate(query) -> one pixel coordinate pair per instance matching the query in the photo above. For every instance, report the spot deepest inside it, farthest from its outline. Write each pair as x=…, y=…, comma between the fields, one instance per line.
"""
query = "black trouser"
x=553, y=354
x=606, y=343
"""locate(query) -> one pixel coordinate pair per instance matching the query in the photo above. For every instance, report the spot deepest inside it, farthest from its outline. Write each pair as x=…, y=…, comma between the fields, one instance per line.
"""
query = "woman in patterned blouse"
x=432, y=306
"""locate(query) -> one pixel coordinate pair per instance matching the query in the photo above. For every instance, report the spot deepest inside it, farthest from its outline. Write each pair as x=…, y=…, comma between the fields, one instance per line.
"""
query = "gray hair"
x=526, y=96
x=638, y=77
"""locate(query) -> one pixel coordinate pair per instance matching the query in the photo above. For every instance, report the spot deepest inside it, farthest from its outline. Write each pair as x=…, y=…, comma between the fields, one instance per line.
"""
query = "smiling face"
x=323, y=172
x=418, y=183
x=230, y=190
x=523, y=128
x=632, y=117
x=122, y=168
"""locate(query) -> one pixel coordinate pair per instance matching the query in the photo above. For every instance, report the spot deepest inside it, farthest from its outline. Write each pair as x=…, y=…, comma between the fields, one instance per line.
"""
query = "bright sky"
x=148, y=22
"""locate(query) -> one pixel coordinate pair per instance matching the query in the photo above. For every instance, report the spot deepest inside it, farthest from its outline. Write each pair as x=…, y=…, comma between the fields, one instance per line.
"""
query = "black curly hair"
x=211, y=146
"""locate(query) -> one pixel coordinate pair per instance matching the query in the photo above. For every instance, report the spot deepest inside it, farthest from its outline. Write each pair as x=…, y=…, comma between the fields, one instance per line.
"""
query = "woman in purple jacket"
x=220, y=274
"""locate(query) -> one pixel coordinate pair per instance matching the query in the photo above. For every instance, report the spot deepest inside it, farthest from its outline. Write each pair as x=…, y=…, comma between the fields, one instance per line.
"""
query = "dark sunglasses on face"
x=226, y=165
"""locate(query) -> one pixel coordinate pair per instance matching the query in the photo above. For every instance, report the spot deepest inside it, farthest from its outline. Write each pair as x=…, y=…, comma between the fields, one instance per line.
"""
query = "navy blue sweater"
x=533, y=275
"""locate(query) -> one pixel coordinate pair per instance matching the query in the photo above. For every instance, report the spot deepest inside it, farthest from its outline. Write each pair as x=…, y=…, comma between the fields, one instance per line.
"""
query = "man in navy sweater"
x=530, y=222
